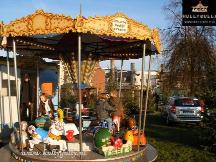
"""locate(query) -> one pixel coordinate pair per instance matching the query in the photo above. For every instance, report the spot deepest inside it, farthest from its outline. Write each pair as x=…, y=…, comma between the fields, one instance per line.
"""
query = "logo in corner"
x=200, y=8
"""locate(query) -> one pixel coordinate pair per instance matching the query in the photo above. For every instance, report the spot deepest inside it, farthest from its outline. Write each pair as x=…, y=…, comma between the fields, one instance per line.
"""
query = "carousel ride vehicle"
x=80, y=43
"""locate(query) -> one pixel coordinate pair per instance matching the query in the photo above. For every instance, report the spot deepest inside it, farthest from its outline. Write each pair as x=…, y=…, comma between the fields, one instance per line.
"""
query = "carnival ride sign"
x=120, y=25
x=199, y=13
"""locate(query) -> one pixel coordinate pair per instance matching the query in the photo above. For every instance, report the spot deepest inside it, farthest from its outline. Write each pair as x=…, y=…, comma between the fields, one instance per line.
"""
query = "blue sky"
x=149, y=12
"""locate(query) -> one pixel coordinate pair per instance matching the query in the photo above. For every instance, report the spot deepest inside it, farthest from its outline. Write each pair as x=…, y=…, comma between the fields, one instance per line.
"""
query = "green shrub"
x=68, y=97
x=208, y=133
x=131, y=102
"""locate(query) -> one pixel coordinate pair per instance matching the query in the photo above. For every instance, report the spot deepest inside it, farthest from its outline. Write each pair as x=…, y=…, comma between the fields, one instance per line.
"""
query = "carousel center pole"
x=147, y=93
x=9, y=89
x=79, y=84
x=79, y=88
x=141, y=94
x=17, y=90
x=120, y=83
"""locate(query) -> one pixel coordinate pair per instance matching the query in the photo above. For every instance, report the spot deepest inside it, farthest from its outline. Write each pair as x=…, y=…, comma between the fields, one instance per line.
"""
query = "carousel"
x=78, y=43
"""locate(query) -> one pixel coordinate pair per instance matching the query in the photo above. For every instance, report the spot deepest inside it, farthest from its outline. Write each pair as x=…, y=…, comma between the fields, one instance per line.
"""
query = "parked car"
x=183, y=109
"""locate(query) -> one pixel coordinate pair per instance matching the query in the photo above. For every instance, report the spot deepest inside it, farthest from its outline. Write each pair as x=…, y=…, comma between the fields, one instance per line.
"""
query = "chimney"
x=112, y=67
x=133, y=72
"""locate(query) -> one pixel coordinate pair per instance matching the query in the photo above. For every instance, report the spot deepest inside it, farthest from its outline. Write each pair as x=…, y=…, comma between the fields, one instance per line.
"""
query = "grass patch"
x=178, y=143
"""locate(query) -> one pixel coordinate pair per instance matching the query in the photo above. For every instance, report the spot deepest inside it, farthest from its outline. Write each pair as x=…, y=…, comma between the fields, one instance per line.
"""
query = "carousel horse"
x=104, y=124
x=14, y=136
x=24, y=135
x=43, y=122
x=67, y=126
x=142, y=140
x=134, y=129
x=132, y=123
x=60, y=113
x=55, y=131
x=36, y=137
x=129, y=137
x=101, y=124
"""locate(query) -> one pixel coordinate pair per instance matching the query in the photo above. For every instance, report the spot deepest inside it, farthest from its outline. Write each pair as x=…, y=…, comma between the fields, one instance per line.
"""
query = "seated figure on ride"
x=46, y=106
x=103, y=110
x=116, y=102
x=45, y=112
x=118, y=116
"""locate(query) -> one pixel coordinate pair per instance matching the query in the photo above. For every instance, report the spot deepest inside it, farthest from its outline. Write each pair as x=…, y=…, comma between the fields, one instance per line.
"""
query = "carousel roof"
x=105, y=37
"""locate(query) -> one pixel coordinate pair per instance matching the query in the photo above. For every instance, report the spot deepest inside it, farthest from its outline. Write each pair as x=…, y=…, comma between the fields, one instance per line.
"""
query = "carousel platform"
x=42, y=153
x=147, y=153
x=10, y=153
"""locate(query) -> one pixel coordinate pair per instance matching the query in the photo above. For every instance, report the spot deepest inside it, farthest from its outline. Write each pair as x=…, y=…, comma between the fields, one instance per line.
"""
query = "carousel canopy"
x=104, y=37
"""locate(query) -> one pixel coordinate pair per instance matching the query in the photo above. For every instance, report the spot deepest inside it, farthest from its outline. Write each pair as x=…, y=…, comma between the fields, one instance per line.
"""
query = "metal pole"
x=112, y=66
x=120, y=84
x=9, y=89
x=141, y=94
x=17, y=89
x=37, y=104
x=79, y=84
x=1, y=107
x=59, y=82
x=147, y=93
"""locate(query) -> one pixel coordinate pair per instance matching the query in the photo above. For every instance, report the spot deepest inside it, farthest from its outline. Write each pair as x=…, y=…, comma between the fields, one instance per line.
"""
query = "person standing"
x=26, y=99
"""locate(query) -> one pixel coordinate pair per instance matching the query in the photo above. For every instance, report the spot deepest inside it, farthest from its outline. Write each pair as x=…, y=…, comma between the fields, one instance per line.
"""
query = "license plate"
x=181, y=112
x=188, y=111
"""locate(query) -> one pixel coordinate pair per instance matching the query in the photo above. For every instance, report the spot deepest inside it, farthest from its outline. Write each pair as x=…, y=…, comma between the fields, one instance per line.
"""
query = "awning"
x=45, y=33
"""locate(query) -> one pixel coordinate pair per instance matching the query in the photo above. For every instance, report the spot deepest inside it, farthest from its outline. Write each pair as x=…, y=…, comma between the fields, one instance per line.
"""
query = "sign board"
x=120, y=25
x=47, y=88
x=199, y=13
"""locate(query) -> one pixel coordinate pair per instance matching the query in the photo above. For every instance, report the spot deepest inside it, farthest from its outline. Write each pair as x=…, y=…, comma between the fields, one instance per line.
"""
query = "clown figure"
x=54, y=135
